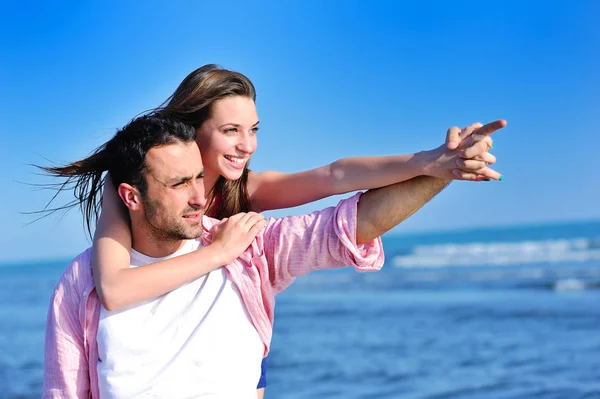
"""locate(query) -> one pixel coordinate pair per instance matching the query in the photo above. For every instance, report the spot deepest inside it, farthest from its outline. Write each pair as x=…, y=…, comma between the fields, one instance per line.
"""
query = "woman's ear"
x=130, y=196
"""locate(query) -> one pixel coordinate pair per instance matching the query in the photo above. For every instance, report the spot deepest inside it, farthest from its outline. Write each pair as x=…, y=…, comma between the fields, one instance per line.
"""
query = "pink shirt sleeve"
x=325, y=239
x=66, y=373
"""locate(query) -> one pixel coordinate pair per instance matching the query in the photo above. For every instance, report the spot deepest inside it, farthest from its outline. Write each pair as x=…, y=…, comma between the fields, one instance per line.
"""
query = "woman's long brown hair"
x=192, y=103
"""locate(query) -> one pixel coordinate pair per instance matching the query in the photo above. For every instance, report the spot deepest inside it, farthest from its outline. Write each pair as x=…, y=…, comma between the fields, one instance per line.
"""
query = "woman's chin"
x=230, y=174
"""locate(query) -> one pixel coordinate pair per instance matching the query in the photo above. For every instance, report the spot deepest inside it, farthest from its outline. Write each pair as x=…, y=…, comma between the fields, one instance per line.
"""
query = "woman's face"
x=228, y=138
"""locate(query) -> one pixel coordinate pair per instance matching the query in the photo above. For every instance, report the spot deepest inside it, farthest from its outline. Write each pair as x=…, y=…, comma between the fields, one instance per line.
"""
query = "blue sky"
x=334, y=79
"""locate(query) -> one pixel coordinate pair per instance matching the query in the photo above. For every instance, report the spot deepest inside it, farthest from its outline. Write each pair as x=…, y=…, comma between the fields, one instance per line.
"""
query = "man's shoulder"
x=79, y=271
x=208, y=222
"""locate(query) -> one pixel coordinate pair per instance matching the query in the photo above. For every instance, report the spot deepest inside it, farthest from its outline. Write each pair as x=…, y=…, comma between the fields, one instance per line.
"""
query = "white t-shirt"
x=194, y=342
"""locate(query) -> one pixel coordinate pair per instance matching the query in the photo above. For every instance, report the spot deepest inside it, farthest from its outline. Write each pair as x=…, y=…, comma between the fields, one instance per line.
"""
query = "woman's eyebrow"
x=236, y=124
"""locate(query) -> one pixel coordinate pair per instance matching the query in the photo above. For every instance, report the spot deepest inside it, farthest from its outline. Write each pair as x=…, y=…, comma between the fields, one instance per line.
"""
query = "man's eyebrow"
x=178, y=179
x=183, y=179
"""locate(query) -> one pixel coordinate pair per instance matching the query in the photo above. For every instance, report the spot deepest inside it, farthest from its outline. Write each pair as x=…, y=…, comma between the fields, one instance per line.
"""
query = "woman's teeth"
x=235, y=159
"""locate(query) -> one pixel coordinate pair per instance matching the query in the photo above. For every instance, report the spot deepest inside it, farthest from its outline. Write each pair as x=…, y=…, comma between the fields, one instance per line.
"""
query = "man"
x=206, y=338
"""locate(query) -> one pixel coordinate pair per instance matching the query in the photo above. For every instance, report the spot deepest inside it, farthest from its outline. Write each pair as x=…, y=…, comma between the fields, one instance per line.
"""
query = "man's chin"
x=192, y=234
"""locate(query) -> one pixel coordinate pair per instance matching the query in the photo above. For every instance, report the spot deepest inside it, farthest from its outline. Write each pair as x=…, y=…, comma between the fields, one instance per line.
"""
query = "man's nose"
x=198, y=194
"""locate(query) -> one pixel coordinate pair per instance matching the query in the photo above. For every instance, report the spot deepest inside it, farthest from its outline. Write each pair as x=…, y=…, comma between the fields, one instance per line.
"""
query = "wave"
x=573, y=284
x=564, y=278
x=500, y=253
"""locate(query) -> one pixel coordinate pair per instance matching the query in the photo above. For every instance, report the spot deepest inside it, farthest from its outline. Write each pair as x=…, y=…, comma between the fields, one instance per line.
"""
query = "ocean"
x=492, y=313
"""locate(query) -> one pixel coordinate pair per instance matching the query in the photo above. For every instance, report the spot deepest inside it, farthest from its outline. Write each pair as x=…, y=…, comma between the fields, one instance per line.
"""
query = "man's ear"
x=130, y=196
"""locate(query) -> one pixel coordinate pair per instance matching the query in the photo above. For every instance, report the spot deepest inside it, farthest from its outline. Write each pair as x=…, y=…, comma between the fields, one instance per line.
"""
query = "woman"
x=220, y=105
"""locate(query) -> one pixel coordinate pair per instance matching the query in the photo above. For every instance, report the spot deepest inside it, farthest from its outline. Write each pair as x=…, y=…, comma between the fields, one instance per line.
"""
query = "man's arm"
x=66, y=371
x=348, y=233
x=382, y=209
x=344, y=235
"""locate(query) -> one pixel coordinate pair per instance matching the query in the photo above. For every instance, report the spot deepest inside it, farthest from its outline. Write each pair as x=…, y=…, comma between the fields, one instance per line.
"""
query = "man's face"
x=174, y=201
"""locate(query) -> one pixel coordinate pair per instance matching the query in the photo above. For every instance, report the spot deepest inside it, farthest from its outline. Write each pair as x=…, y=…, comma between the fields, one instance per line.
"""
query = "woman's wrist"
x=216, y=254
x=423, y=163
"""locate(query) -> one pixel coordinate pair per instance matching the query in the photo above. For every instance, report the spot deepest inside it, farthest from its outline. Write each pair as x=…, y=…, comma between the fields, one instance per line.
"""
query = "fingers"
x=486, y=157
x=453, y=138
x=465, y=175
x=490, y=173
x=475, y=143
x=237, y=216
x=467, y=131
x=256, y=221
x=478, y=175
x=491, y=127
x=455, y=135
x=257, y=227
x=478, y=148
x=470, y=164
x=475, y=138
x=245, y=221
x=250, y=225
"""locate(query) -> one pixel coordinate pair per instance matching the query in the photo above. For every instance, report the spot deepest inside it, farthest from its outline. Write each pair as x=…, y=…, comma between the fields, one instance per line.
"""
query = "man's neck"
x=154, y=247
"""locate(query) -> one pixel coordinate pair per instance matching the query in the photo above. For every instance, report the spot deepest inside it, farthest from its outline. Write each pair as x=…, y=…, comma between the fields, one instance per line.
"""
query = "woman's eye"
x=231, y=130
x=255, y=130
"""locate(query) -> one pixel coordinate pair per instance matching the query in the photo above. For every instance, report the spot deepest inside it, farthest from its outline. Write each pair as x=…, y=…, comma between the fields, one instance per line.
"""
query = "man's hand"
x=455, y=135
x=469, y=159
x=233, y=235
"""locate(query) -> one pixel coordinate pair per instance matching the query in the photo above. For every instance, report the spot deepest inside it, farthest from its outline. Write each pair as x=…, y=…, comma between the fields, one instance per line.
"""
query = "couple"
x=149, y=311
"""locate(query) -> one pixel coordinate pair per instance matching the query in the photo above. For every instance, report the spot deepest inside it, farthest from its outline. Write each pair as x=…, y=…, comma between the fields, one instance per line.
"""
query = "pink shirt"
x=285, y=249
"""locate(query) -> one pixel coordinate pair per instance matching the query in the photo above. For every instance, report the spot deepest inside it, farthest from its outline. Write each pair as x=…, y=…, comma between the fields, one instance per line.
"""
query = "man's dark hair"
x=123, y=156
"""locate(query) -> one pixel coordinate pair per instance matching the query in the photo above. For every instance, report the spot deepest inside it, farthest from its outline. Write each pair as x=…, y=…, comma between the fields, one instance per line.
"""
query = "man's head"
x=156, y=168
x=157, y=171
x=167, y=204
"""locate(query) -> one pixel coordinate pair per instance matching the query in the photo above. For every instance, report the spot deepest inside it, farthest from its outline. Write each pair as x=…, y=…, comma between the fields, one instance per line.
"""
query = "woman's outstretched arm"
x=275, y=190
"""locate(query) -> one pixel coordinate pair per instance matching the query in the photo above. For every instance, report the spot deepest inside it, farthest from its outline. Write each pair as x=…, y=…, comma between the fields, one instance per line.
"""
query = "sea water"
x=488, y=313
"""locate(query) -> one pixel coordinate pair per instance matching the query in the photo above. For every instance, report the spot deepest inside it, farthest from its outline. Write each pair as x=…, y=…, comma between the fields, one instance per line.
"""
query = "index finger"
x=491, y=127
